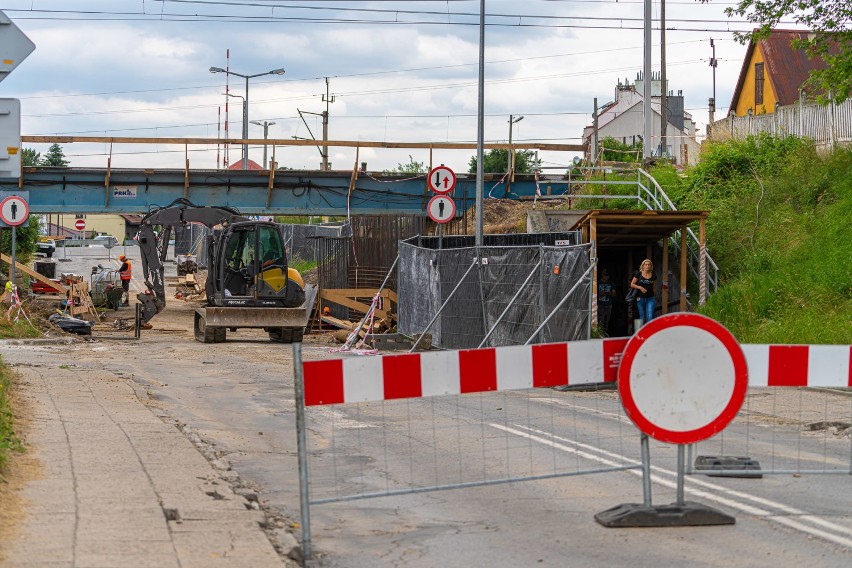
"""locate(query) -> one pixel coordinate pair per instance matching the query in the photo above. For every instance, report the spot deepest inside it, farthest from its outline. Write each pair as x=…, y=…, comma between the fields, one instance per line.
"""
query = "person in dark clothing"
x=606, y=292
x=644, y=281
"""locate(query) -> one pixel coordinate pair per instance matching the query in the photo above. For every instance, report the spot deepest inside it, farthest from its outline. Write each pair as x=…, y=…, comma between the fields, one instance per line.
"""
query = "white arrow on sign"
x=15, y=46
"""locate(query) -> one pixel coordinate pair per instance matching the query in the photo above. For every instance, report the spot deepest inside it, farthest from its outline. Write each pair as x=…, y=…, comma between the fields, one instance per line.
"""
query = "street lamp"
x=512, y=120
x=245, y=114
x=265, y=126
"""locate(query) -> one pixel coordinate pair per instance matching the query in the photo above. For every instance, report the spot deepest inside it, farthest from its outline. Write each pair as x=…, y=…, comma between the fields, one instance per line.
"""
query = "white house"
x=622, y=119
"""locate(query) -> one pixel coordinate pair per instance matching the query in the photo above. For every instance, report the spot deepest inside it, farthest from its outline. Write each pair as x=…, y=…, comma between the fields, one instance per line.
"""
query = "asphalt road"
x=238, y=397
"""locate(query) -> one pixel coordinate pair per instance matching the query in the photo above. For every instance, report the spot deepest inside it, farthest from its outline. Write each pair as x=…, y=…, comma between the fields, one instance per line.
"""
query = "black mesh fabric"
x=500, y=277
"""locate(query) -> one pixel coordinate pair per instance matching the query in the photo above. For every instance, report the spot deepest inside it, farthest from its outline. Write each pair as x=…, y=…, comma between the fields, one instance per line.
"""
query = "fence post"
x=802, y=96
x=646, y=470
x=301, y=441
x=832, y=133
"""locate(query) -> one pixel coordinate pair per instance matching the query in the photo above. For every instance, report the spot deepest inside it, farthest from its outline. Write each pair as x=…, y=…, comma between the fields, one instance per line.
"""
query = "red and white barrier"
x=799, y=365
x=414, y=375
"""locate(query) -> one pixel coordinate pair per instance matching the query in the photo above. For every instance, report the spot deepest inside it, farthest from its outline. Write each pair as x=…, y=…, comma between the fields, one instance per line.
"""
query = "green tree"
x=617, y=151
x=832, y=39
x=25, y=242
x=29, y=157
x=412, y=167
x=496, y=162
x=55, y=157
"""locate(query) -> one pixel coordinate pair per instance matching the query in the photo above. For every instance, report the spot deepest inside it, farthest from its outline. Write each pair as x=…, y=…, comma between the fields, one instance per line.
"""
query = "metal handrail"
x=653, y=197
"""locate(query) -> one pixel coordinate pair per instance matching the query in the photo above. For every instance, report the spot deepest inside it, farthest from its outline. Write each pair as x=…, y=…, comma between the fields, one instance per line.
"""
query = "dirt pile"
x=508, y=215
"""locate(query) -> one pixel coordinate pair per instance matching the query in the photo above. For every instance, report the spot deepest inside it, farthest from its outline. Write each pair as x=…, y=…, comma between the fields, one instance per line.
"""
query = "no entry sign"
x=682, y=378
x=80, y=224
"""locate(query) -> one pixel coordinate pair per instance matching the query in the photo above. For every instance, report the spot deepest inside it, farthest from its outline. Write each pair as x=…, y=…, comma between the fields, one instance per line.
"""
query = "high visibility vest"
x=126, y=274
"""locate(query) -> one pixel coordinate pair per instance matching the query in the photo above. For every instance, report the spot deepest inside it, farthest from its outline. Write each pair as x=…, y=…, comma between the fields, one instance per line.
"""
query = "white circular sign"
x=14, y=210
x=441, y=208
x=442, y=179
x=682, y=378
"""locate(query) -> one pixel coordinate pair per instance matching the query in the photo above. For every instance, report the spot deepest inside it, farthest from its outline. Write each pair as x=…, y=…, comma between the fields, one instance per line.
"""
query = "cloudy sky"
x=397, y=71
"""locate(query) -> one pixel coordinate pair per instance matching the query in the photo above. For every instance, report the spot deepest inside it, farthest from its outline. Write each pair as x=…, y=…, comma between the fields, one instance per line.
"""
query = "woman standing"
x=644, y=281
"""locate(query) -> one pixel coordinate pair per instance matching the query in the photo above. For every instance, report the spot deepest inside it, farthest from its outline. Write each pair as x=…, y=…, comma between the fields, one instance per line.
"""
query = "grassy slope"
x=780, y=230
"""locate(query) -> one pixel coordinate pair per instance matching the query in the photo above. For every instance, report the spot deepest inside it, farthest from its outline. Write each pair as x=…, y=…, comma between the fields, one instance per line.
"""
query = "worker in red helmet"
x=125, y=271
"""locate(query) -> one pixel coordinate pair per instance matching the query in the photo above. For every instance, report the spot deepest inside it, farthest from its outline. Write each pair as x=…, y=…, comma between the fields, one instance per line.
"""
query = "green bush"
x=779, y=230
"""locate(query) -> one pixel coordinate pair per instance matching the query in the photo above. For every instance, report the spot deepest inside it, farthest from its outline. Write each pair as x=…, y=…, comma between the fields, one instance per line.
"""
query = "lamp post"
x=512, y=120
x=245, y=114
x=265, y=126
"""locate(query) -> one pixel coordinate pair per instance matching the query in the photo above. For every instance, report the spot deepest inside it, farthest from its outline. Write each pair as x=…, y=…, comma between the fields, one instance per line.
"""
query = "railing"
x=650, y=195
x=659, y=201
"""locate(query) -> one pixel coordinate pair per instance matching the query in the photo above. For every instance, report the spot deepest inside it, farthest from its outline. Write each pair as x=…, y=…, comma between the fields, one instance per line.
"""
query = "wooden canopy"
x=624, y=228
x=631, y=227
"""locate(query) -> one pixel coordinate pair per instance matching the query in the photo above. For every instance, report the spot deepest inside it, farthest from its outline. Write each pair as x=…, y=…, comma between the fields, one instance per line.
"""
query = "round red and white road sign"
x=442, y=180
x=682, y=378
x=14, y=210
x=441, y=208
x=80, y=224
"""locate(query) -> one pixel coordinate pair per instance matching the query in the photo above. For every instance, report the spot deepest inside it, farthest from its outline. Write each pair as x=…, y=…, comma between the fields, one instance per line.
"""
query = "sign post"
x=441, y=208
x=14, y=211
x=80, y=225
x=682, y=379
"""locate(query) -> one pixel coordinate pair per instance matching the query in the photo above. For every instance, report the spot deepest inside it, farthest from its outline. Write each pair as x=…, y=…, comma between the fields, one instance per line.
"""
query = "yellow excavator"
x=249, y=282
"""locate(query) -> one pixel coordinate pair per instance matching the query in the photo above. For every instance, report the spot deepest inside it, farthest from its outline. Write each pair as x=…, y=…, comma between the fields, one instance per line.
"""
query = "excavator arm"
x=154, y=246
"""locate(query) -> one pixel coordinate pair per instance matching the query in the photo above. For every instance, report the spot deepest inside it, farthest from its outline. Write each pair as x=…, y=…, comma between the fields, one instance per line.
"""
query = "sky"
x=397, y=71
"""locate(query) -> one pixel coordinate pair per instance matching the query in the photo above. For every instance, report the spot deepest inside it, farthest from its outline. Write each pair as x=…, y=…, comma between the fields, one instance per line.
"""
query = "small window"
x=758, y=83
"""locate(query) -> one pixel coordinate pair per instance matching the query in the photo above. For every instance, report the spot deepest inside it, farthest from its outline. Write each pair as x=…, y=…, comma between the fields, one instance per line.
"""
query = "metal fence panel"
x=514, y=288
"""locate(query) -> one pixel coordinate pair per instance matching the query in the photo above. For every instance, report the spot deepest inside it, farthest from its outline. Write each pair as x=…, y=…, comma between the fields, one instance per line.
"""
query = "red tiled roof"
x=252, y=165
x=132, y=219
x=787, y=68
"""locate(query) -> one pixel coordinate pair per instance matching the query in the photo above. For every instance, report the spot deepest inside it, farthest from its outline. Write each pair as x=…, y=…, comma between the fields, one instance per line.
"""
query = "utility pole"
x=480, y=130
x=512, y=120
x=594, y=156
x=712, y=102
x=265, y=126
x=647, y=128
x=327, y=99
x=664, y=115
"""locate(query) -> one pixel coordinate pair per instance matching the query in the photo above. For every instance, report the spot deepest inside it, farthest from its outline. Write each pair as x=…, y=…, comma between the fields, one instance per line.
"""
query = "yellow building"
x=772, y=74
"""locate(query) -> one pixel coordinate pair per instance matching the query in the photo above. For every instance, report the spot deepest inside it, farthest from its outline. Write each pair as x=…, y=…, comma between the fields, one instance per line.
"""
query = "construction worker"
x=125, y=271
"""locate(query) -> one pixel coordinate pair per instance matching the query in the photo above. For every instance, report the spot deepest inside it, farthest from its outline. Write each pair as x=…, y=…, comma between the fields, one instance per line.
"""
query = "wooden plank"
x=342, y=300
x=364, y=293
x=342, y=324
x=290, y=142
x=44, y=280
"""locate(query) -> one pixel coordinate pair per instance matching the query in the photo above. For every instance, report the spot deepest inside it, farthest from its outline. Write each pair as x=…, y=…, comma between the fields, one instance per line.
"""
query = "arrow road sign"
x=442, y=179
x=14, y=46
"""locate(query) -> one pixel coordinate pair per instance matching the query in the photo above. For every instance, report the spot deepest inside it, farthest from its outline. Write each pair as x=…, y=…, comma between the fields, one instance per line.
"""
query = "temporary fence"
x=422, y=422
x=799, y=399
x=467, y=296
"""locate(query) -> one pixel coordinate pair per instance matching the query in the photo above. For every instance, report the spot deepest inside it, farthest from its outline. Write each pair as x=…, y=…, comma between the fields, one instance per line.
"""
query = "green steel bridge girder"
x=92, y=191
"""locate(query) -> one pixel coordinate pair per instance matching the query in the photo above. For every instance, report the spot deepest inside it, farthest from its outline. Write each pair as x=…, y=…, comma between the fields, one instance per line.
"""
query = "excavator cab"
x=252, y=269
